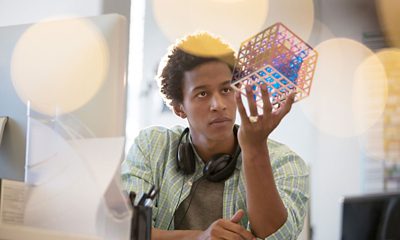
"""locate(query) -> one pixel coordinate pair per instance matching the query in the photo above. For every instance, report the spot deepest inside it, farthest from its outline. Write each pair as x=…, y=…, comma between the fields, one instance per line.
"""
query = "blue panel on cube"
x=293, y=78
x=276, y=85
x=276, y=75
x=269, y=79
x=261, y=73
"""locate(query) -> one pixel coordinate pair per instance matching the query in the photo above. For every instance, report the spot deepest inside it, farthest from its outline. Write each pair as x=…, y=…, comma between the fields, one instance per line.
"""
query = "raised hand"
x=256, y=128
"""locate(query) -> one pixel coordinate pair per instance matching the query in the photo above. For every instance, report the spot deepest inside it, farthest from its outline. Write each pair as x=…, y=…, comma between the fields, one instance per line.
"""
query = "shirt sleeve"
x=291, y=179
x=136, y=171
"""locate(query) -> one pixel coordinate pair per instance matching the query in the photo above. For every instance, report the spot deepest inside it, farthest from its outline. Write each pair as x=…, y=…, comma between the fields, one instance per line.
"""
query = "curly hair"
x=185, y=55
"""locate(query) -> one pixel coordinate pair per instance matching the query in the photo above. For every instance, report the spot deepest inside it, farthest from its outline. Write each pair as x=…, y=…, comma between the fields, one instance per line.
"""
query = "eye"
x=202, y=94
x=227, y=90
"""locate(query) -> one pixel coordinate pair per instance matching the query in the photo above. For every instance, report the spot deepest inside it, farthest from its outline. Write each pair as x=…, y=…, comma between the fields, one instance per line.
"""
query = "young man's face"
x=208, y=101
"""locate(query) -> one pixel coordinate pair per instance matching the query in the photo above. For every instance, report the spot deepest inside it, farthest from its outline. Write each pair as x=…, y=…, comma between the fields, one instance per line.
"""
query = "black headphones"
x=218, y=168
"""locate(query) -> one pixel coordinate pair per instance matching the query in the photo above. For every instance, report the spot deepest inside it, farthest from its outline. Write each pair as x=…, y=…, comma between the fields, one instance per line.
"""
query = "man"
x=264, y=194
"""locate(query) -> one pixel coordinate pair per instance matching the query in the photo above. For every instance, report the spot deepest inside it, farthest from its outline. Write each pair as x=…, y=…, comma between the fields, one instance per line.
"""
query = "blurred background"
x=347, y=130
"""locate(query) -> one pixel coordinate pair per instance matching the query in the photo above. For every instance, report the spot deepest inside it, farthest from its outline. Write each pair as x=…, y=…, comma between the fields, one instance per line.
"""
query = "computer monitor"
x=371, y=217
x=104, y=114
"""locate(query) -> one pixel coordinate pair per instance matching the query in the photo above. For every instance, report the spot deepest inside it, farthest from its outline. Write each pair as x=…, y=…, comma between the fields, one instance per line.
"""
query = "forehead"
x=207, y=74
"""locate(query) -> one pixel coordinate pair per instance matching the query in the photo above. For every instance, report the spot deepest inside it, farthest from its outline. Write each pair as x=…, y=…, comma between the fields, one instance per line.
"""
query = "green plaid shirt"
x=152, y=160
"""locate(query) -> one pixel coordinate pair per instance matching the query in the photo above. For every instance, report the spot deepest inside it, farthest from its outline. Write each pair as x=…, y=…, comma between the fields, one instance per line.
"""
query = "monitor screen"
x=371, y=217
x=103, y=113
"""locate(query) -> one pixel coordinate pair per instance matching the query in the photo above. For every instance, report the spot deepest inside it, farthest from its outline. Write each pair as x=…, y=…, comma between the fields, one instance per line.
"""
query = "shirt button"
x=190, y=183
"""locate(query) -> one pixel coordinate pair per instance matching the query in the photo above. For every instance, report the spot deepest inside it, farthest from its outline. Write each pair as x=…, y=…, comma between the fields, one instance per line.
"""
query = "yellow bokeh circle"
x=58, y=66
x=234, y=21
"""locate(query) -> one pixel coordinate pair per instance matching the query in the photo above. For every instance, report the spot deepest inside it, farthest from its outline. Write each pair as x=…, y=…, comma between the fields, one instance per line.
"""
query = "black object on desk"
x=141, y=223
x=371, y=217
x=142, y=215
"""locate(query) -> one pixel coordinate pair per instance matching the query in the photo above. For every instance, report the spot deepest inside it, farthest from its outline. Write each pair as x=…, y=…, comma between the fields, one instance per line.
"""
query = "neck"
x=206, y=148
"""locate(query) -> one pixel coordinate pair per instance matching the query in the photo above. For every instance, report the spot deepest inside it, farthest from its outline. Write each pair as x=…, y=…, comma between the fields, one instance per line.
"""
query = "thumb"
x=237, y=216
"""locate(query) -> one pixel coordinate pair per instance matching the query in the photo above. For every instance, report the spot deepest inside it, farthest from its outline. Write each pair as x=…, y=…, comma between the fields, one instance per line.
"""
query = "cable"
x=190, y=201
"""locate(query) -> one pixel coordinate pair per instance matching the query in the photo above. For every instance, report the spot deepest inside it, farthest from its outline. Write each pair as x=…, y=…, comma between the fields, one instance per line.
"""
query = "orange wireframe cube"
x=279, y=59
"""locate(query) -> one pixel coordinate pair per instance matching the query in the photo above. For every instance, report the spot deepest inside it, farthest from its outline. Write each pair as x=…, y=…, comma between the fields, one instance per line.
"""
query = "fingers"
x=241, y=109
x=237, y=216
x=251, y=99
x=283, y=110
x=267, y=109
x=237, y=229
x=267, y=106
x=227, y=229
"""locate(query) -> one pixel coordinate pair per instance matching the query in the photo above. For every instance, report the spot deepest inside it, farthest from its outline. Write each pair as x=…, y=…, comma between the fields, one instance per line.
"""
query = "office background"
x=339, y=164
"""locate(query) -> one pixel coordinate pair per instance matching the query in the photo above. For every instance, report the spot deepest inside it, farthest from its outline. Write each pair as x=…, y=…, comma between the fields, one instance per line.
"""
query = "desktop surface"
x=16, y=232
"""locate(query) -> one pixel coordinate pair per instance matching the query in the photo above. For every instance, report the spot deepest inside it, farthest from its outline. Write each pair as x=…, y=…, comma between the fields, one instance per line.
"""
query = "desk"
x=14, y=232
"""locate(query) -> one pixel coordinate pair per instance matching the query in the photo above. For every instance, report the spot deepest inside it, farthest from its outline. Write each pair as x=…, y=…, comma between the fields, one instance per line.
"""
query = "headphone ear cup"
x=186, y=160
x=219, y=168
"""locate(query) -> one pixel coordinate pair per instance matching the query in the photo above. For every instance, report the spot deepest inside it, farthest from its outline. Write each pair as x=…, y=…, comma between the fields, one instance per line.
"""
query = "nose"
x=217, y=103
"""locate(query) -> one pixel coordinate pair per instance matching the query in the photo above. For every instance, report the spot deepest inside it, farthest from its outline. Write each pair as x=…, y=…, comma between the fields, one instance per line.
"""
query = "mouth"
x=220, y=120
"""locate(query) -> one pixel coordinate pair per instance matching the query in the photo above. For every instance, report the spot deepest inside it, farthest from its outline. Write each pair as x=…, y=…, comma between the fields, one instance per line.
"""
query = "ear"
x=178, y=110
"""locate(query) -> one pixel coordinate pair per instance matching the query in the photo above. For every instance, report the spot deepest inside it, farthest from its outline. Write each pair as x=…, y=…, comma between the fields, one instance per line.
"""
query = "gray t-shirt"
x=203, y=206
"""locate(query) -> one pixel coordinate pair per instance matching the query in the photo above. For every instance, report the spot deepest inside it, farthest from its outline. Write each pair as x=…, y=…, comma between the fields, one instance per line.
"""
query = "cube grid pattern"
x=279, y=59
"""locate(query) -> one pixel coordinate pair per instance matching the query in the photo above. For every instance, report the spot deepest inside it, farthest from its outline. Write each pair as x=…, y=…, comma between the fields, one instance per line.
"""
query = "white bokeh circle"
x=58, y=66
x=340, y=102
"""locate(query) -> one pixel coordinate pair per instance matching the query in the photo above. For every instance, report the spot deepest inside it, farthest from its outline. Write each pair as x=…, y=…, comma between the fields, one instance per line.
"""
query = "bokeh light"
x=349, y=88
x=369, y=93
x=296, y=15
x=59, y=65
x=177, y=18
x=382, y=141
x=389, y=18
x=204, y=44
